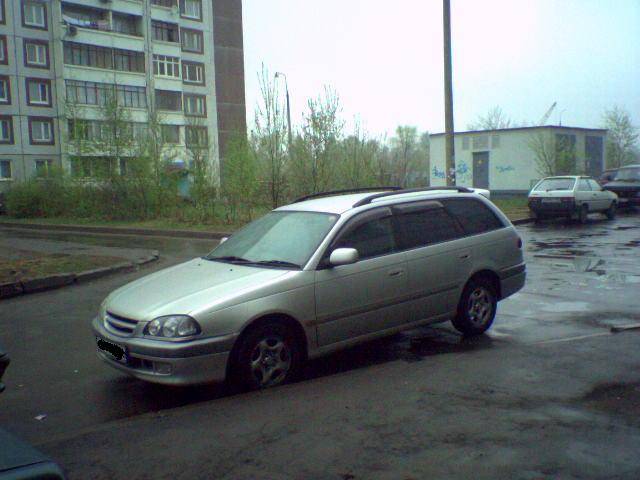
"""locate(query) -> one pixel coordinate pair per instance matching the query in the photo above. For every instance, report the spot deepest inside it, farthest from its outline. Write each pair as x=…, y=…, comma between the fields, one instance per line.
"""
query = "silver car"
x=313, y=277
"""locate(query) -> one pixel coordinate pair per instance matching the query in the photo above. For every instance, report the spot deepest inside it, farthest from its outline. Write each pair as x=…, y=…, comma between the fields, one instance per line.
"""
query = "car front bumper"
x=168, y=363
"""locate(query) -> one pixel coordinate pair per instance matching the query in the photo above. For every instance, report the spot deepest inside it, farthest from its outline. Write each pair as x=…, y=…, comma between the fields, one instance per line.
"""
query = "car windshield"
x=628, y=174
x=550, y=184
x=279, y=239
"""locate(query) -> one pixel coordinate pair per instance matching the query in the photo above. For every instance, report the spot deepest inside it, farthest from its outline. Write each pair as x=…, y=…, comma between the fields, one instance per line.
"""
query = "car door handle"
x=396, y=273
x=464, y=256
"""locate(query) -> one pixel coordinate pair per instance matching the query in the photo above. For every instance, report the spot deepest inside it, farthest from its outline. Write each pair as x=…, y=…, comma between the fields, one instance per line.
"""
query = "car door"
x=438, y=258
x=602, y=198
x=584, y=195
x=367, y=296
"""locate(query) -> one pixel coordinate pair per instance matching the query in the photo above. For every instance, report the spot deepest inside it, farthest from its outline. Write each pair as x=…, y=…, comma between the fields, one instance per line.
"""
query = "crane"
x=546, y=116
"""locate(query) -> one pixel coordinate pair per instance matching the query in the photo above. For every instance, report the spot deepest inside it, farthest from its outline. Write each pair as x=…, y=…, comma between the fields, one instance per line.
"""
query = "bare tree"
x=357, y=159
x=405, y=153
x=494, y=119
x=270, y=138
x=543, y=146
x=622, y=137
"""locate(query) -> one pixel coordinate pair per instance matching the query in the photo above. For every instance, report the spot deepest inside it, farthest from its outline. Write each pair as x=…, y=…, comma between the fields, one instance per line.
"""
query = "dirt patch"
x=33, y=264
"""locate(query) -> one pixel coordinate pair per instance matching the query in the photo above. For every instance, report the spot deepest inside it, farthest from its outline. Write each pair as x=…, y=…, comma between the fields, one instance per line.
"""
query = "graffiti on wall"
x=463, y=172
x=505, y=169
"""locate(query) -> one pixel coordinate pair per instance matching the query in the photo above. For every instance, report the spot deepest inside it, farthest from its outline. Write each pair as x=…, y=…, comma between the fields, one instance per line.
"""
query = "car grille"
x=119, y=325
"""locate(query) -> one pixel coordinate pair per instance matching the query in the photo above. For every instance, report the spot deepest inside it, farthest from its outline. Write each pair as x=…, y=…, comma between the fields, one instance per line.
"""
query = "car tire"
x=583, y=213
x=611, y=211
x=268, y=355
x=477, y=307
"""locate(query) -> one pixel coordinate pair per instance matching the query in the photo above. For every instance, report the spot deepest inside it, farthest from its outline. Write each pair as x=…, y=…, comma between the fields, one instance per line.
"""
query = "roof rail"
x=369, y=199
x=341, y=192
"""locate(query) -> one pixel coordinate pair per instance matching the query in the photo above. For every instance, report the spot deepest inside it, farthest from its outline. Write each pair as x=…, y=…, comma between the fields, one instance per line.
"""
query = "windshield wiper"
x=277, y=263
x=229, y=258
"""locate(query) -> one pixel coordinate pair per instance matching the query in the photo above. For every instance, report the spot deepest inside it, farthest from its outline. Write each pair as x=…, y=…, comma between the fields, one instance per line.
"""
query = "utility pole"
x=450, y=158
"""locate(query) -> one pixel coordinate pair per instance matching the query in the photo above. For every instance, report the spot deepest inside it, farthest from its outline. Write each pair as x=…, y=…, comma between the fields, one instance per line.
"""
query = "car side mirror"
x=343, y=256
x=223, y=239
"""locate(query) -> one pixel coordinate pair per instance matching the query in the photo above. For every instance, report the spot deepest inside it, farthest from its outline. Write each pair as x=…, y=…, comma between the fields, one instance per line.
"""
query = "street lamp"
x=286, y=85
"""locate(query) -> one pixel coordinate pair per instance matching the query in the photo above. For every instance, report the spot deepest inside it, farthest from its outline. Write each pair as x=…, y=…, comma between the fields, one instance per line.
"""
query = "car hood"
x=187, y=287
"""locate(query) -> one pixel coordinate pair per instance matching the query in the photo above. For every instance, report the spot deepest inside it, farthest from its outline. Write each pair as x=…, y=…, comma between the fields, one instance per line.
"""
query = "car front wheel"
x=477, y=307
x=268, y=355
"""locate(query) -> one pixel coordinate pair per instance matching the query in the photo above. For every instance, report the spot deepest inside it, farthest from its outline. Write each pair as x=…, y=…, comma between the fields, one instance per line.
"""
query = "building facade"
x=511, y=160
x=62, y=61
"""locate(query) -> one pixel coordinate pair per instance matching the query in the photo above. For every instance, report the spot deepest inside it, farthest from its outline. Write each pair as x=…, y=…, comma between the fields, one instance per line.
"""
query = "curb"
x=119, y=230
x=40, y=284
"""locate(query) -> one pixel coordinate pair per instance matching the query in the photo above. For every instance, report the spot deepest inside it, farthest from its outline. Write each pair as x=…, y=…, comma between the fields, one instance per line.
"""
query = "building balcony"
x=101, y=38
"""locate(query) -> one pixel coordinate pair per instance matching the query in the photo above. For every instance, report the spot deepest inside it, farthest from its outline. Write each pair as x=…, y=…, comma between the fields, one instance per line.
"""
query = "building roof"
x=498, y=130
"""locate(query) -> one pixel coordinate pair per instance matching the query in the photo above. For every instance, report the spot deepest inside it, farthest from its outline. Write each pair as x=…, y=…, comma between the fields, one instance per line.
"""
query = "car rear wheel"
x=477, y=307
x=268, y=355
x=583, y=214
x=611, y=211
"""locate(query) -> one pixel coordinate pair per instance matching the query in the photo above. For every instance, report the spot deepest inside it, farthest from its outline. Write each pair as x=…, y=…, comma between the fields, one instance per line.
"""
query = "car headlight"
x=172, y=326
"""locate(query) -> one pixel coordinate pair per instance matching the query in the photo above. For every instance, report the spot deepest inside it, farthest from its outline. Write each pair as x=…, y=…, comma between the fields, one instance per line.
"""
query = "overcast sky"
x=384, y=58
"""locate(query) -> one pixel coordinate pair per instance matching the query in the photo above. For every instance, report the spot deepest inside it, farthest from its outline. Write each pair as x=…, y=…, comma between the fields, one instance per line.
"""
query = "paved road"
x=550, y=392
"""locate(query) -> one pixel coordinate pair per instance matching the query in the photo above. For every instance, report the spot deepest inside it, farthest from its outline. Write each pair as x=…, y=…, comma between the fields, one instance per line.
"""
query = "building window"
x=170, y=133
x=6, y=129
x=36, y=53
x=480, y=141
x=192, y=40
x=197, y=136
x=92, y=93
x=193, y=72
x=191, y=9
x=465, y=143
x=495, y=141
x=164, y=3
x=41, y=131
x=103, y=57
x=5, y=90
x=168, y=100
x=128, y=60
x=38, y=92
x=165, y=32
x=126, y=24
x=43, y=168
x=165, y=66
x=87, y=55
x=195, y=105
x=129, y=96
x=4, y=57
x=34, y=14
x=3, y=15
x=5, y=170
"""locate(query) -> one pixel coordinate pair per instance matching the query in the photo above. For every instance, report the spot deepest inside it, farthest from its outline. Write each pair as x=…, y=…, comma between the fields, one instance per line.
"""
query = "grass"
x=33, y=264
x=514, y=207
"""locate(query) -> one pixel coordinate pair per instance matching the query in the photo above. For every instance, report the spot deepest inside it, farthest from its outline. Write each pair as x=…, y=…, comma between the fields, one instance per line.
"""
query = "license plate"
x=550, y=200
x=118, y=353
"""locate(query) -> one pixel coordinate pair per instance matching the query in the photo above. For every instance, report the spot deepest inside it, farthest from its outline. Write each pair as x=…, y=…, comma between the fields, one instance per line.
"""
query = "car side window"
x=426, y=227
x=594, y=186
x=583, y=186
x=473, y=215
x=371, y=239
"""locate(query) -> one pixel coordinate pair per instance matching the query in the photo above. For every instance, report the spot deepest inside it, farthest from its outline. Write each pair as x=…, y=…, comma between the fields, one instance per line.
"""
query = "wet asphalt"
x=395, y=403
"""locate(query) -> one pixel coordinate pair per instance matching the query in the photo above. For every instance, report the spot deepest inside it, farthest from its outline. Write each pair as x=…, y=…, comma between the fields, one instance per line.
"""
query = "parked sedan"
x=607, y=176
x=626, y=185
x=570, y=196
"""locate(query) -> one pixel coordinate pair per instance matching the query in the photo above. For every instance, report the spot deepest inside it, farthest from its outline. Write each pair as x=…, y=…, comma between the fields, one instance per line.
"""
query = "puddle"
x=621, y=399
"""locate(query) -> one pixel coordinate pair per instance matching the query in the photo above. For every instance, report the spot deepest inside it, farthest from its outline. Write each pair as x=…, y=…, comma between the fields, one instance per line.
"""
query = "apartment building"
x=62, y=61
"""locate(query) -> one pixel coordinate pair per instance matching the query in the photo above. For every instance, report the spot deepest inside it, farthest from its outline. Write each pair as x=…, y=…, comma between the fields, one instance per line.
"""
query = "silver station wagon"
x=307, y=279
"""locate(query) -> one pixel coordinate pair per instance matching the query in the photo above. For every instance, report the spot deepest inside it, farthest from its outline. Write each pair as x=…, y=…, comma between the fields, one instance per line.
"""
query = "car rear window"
x=474, y=216
x=551, y=184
